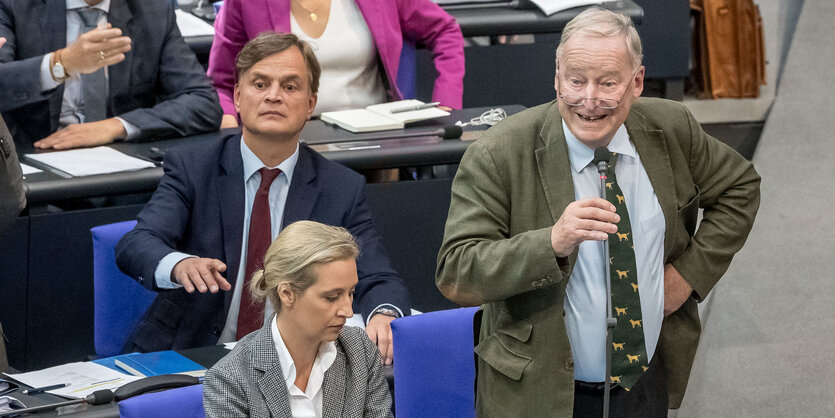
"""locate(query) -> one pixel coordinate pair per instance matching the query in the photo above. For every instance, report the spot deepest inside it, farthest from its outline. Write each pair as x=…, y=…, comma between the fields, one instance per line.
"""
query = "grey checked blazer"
x=248, y=382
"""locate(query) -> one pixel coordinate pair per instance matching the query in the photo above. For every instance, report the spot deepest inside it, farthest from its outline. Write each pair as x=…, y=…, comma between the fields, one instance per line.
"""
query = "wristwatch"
x=386, y=312
x=57, y=69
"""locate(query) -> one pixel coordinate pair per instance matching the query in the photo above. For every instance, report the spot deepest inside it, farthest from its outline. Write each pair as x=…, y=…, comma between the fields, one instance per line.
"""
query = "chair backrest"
x=407, y=71
x=434, y=367
x=118, y=300
x=185, y=402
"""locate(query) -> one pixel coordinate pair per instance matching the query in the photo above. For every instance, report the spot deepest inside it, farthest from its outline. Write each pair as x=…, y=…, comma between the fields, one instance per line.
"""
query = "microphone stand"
x=602, y=169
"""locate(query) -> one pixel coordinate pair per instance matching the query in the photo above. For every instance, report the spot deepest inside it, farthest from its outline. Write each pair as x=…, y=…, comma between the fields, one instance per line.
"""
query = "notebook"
x=379, y=117
x=157, y=363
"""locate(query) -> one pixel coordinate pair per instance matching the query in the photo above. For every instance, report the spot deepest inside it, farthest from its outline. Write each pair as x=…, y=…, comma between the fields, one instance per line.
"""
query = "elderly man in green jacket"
x=529, y=238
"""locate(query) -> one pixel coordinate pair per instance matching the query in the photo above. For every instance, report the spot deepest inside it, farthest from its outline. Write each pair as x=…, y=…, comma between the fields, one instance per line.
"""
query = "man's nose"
x=590, y=95
x=274, y=94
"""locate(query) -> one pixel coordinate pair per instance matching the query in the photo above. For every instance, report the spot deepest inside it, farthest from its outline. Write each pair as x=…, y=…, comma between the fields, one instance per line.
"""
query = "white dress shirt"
x=346, y=52
x=304, y=403
x=73, y=100
x=586, y=297
x=277, y=199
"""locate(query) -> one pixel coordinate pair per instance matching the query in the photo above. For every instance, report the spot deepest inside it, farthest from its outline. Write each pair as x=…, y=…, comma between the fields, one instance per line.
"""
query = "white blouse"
x=351, y=76
x=304, y=403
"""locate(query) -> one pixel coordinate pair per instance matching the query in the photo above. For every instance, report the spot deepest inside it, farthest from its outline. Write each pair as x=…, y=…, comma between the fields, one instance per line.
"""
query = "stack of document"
x=82, y=378
x=550, y=7
x=90, y=161
x=382, y=117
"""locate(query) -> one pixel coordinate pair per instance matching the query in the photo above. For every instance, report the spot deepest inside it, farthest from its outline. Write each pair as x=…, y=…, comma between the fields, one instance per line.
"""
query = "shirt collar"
x=252, y=163
x=80, y=4
x=325, y=357
x=581, y=155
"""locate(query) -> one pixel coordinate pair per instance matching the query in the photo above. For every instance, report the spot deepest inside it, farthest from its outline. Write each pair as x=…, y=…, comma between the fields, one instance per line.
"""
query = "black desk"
x=46, y=302
x=490, y=21
x=204, y=356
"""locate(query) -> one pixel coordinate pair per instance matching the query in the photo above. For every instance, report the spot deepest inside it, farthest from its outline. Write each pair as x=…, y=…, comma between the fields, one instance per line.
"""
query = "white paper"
x=191, y=25
x=550, y=7
x=90, y=161
x=28, y=169
x=84, y=378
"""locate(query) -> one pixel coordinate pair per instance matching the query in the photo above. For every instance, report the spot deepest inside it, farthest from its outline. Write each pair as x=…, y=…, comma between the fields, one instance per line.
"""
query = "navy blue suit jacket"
x=198, y=209
x=159, y=87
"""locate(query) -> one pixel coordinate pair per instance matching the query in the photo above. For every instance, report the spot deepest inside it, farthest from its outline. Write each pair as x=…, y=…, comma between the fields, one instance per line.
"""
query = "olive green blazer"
x=512, y=186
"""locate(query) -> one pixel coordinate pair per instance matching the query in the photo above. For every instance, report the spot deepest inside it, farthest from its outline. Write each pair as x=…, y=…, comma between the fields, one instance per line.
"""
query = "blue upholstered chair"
x=434, y=368
x=407, y=71
x=118, y=300
x=185, y=402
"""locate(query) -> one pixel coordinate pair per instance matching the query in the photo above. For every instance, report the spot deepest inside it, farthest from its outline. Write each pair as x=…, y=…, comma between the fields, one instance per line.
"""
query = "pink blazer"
x=390, y=21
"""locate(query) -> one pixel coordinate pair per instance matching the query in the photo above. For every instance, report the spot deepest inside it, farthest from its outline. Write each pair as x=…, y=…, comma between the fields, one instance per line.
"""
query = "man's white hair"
x=595, y=21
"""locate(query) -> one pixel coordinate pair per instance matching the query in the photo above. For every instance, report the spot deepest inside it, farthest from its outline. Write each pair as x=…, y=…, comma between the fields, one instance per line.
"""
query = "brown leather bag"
x=729, y=48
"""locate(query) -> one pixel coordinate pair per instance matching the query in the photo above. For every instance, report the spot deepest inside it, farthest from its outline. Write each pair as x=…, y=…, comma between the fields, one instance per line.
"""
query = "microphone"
x=99, y=397
x=602, y=155
x=447, y=132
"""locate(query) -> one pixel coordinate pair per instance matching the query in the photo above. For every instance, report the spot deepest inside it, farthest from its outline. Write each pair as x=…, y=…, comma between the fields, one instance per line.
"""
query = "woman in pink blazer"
x=389, y=21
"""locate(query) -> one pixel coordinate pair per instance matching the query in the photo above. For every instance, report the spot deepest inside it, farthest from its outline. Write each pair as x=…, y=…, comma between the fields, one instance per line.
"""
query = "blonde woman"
x=304, y=361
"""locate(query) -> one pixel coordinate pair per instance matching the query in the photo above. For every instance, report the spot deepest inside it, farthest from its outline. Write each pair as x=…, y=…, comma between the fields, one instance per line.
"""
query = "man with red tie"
x=222, y=202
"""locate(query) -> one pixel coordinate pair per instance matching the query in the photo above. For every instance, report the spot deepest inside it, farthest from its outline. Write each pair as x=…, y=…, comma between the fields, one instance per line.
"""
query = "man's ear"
x=639, y=83
x=236, y=97
x=312, y=105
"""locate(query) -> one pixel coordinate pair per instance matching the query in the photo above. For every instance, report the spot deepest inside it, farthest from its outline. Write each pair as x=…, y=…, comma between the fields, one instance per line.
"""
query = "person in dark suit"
x=12, y=195
x=222, y=201
x=526, y=225
x=304, y=361
x=88, y=72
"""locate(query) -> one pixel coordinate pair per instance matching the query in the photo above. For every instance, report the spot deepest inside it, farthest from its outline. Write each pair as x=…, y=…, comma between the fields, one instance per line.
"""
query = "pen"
x=415, y=107
x=35, y=391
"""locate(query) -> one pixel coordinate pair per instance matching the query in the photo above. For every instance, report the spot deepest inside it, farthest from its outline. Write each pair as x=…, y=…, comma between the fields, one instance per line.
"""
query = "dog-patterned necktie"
x=629, y=352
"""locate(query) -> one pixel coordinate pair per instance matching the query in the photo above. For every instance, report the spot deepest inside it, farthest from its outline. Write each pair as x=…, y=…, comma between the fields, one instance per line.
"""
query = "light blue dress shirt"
x=73, y=100
x=277, y=199
x=586, y=297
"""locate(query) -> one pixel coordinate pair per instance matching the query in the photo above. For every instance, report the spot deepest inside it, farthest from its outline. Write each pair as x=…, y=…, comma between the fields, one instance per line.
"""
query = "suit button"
x=217, y=331
x=140, y=280
x=569, y=365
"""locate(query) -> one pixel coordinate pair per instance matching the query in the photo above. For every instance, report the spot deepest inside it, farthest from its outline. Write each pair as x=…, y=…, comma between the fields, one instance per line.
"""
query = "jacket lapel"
x=333, y=388
x=231, y=197
x=53, y=15
x=554, y=168
x=303, y=192
x=119, y=74
x=268, y=372
x=653, y=151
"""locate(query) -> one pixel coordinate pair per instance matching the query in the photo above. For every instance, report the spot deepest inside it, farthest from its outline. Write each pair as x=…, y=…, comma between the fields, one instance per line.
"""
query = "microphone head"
x=602, y=154
x=99, y=397
x=450, y=132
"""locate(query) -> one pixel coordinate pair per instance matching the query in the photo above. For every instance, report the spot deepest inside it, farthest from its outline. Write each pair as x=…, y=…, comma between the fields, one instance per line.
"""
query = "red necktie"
x=251, y=313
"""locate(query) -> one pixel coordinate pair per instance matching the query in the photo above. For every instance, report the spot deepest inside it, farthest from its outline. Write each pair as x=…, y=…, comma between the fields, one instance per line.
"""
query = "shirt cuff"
x=47, y=83
x=131, y=129
x=387, y=306
x=162, y=275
